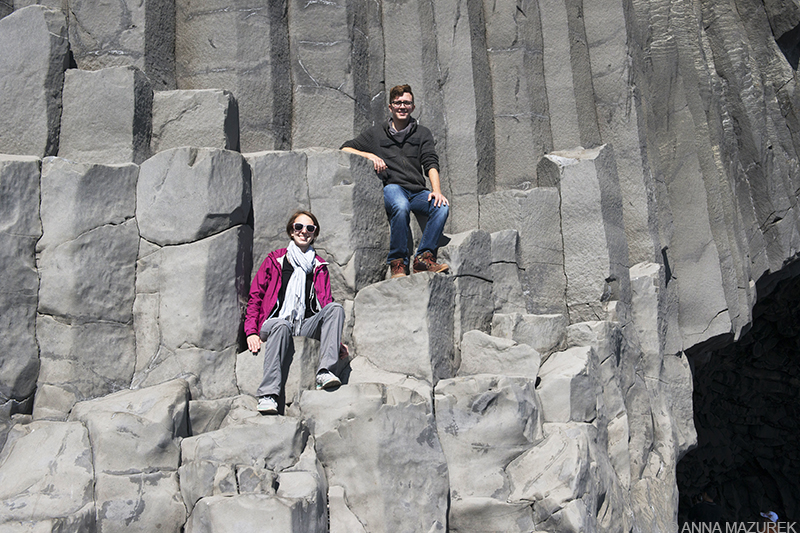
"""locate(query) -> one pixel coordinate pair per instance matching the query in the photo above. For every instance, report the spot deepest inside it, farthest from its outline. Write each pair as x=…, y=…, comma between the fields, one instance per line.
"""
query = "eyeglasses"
x=402, y=103
x=311, y=228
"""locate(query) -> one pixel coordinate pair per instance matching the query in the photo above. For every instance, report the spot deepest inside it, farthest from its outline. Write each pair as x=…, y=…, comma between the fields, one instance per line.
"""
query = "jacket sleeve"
x=365, y=142
x=428, y=157
x=322, y=286
x=257, y=290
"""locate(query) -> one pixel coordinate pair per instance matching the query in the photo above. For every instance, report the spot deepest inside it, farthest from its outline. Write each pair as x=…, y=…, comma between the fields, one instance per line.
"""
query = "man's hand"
x=344, y=351
x=254, y=343
x=377, y=162
x=438, y=199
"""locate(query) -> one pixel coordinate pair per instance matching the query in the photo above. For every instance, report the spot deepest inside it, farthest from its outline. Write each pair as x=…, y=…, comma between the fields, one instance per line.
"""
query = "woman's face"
x=303, y=238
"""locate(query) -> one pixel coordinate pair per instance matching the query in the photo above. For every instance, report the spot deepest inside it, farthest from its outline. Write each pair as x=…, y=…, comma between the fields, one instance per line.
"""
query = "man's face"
x=401, y=107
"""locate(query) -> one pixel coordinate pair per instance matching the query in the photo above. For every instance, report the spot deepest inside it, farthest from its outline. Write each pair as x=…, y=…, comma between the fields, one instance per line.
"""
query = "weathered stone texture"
x=20, y=228
x=54, y=485
x=242, y=48
x=87, y=258
x=118, y=34
x=202, y=118
x=32, y=65
x=187, y=194
x=189, y=302
x=535, y=214
x=390, y=484
x=107, y=116
x=423, y=304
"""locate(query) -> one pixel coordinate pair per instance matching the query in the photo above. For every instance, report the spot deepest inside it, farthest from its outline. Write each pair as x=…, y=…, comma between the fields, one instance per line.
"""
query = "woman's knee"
x=334, y=309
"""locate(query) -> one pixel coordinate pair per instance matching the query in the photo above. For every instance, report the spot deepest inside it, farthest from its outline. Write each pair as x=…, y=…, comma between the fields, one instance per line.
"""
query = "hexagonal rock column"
x=569, y=389
x=379, y=446
x=129, y=33
x=135, y=439
x=35, y=55
x=245, y=463
x=242, y=47
x=405, y=325
x=469, y=256
x=87, y=260
x=107, y=116
x=46, y=478
x=506, y=273
x=193, y=268
x=203, y=118
x=20, y=228
x=595, y=247
x=535, y=214
x=322, y=73
x=484, y=422
x=346, y=197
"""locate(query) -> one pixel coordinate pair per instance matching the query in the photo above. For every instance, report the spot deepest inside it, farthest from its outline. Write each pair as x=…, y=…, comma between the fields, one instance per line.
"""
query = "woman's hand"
x=254, y=343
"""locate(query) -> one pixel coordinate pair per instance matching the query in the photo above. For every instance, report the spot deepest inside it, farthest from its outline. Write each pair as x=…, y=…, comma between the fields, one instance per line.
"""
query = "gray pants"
x=326, y=326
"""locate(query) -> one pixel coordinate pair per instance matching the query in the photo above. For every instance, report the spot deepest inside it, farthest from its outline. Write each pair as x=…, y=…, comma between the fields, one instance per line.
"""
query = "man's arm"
x=377, y=162
x=436, y=194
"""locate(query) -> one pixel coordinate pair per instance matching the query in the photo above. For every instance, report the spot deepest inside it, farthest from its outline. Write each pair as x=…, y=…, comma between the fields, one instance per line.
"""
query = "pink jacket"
x=267, y=283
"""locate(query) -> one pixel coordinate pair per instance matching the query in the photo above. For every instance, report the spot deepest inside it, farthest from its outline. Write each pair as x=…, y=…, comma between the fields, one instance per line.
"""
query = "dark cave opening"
x=747, y=416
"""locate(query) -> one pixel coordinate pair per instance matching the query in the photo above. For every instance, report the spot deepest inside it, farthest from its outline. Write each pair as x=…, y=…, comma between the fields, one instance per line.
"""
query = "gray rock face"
x=173, y=339
x=86, y=237
x=138, y=34
x=107, y=116
x=51, y=487
x=135, y=439
x=187, y=194
x=20, y=227
x=208, y=118
x=595, y=249
x=535, y=214
x=35, y=55
x=242, y=48
x=423, y=303
x=414, y=496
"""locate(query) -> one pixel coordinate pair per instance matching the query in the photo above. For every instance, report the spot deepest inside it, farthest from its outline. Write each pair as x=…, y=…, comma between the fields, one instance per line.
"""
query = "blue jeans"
x=399, y=204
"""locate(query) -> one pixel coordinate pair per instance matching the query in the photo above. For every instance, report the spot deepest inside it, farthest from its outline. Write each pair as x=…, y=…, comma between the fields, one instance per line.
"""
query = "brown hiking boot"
x=398, y=268
x=424, y=263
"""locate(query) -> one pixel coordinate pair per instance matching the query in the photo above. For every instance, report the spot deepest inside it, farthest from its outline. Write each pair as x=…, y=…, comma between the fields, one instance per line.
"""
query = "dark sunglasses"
x=311, y=228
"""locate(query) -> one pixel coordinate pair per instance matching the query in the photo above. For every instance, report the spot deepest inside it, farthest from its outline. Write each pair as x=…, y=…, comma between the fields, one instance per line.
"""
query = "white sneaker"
x=267, y=405
x=326, y=380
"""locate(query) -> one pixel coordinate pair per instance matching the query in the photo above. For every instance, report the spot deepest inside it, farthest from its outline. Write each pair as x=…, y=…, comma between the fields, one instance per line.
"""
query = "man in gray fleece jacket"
x=402, y=151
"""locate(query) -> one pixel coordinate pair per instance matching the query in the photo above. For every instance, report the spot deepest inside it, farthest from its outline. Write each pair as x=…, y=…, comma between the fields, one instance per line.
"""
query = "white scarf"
x=294, y=303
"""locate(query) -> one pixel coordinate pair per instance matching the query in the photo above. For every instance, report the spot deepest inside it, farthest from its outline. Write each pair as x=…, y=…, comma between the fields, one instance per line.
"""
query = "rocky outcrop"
x=622, y=178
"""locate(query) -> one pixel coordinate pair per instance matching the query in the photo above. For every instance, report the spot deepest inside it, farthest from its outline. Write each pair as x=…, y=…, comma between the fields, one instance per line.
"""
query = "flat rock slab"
x=248, y=512
x=53, y=484
x=379, y=444
x=137, y=430
x=481, y=352
x=544, y=333
x=569, y=388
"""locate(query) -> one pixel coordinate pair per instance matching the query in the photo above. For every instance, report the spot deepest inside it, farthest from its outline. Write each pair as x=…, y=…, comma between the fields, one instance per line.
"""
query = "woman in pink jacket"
x=291, y=295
